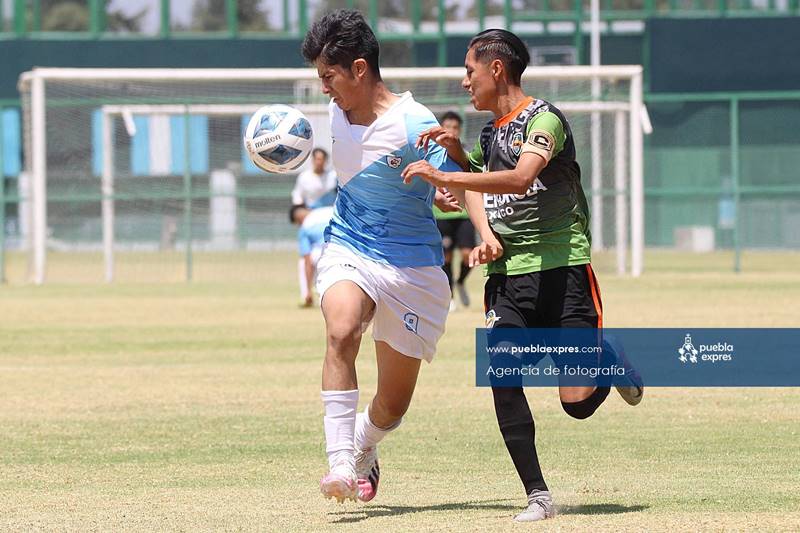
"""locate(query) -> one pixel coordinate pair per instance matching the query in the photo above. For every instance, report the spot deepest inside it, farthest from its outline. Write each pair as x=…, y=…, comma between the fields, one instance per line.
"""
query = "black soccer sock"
x=586, y=407
x=519, y=433
x=448, y=270
x=463, y=273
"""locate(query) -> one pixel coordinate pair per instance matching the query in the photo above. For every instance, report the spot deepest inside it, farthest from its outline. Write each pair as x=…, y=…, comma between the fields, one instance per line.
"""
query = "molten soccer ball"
x=278, y=138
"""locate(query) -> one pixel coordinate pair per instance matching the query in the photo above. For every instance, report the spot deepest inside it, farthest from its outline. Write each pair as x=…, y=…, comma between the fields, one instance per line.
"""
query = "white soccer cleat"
x=340, y=483
x=630, y=386
x=368, y=472
x=540, y=507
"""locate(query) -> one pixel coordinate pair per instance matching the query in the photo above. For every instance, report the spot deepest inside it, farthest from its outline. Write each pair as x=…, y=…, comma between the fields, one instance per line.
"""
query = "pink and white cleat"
x=340, y=483
x=368, y=472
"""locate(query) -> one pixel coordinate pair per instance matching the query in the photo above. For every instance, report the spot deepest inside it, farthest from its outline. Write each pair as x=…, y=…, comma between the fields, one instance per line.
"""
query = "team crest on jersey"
x=393, y=161
x=516, y=143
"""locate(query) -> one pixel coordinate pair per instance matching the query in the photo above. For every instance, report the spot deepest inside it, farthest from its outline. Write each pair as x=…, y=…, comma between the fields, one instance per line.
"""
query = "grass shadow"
x=600, y=508
x=372, y=511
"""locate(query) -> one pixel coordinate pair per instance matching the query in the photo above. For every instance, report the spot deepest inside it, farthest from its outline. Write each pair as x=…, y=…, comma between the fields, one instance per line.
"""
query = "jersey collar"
x=511, y=115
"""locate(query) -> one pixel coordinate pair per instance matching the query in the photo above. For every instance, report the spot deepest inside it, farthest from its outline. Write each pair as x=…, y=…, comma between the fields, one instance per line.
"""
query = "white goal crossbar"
x=629, y=115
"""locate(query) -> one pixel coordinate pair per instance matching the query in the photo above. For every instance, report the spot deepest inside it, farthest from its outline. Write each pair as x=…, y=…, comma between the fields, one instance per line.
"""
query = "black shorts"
x=564, y=297
x=456, y=233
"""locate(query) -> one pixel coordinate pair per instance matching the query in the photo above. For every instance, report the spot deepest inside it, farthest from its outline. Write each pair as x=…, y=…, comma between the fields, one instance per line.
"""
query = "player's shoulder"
x=540, y=108
x=417, y=116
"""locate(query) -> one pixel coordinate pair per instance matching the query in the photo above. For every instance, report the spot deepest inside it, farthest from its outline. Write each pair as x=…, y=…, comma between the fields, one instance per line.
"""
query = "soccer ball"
x=278, y=138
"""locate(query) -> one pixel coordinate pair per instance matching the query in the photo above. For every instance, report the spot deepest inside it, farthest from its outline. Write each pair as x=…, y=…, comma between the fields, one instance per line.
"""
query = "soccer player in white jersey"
x=383, y=254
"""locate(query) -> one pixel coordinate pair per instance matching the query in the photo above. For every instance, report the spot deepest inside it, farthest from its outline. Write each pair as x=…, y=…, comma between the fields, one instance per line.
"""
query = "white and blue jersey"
x=375, y=214
x=311, y=234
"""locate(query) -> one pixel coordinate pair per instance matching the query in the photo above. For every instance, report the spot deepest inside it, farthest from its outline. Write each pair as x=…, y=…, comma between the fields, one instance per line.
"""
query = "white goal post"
x=571, y=88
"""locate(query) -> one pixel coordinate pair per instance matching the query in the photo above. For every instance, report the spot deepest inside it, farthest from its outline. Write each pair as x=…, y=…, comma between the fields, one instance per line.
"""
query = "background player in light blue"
x=310, y=239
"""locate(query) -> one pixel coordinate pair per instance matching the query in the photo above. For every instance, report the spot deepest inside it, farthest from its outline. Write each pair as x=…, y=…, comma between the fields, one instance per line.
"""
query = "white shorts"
x=411, y=303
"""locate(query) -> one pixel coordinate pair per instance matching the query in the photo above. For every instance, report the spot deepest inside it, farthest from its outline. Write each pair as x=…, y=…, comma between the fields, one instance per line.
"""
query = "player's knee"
x=388, y=411
x=585, y=408
x=344, y=337
x=578, y=410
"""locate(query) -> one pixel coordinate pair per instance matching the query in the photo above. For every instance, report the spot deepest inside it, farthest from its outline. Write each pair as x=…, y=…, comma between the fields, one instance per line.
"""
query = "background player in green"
x=458, y=233
x=525, y=198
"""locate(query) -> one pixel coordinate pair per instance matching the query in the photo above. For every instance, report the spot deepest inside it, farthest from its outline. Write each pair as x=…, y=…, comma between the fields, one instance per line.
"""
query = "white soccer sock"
x=368, y=434
x=340, y=421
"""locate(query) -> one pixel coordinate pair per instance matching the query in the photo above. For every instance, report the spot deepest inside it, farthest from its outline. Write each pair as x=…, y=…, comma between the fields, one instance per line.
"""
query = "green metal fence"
x=93, y=19
x=728, y=161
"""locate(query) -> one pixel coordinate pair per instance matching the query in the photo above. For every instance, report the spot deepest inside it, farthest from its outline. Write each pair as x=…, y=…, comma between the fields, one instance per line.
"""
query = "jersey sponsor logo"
x=393, y=161
x=516, y=143
x=411, y=321
x=348, y=266
x=541, y=140
x=499, y=206
x=491, y=201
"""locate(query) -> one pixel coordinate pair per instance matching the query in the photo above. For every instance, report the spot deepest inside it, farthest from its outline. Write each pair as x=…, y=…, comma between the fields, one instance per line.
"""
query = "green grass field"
x=173, y=406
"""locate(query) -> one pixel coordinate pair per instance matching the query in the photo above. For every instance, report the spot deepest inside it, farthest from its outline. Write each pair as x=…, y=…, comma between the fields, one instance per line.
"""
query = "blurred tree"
x=402, y=9
x=117, y=21
x=209, y=15
x=64, y=16
x=71, y=15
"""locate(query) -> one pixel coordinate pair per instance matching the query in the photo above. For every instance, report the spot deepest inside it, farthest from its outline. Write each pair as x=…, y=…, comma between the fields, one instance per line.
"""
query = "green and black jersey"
x=548, y=226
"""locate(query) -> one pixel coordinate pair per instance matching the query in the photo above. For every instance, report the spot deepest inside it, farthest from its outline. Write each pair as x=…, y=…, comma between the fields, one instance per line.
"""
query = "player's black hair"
x=341, y=37
x=451, y=115
x=319, y=150
x=294, y=209
x=505, y=46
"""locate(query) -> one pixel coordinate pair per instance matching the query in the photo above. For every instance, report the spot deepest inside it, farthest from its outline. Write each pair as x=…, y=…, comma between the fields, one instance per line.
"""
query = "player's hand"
x=424, y=170
x=440, y=136
x=309, y=301
x=489, y=250
x=446, y=201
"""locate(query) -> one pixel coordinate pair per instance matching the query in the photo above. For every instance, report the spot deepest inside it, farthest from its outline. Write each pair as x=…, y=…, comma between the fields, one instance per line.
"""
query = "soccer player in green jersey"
x=525, y=198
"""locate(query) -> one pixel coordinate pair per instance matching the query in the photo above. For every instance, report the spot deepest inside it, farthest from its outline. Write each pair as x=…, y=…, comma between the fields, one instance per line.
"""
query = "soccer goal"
x=148, y=164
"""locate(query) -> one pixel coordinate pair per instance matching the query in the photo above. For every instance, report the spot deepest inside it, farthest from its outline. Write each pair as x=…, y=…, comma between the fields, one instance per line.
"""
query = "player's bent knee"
x=586, y=408
x=388, y=411
x=344, y=337
x=578, y=409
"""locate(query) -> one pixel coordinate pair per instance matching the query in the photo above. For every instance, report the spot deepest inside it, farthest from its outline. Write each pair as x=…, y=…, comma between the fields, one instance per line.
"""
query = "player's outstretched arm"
x=451, y=143
x=516, y=181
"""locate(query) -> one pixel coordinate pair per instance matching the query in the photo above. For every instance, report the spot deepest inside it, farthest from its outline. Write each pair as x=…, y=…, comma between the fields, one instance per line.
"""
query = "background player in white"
x=383, y=253
x=316, y=186
x=310, y=238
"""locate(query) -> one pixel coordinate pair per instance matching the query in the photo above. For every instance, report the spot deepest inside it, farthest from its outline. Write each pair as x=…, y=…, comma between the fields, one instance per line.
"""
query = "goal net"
x=140, y=174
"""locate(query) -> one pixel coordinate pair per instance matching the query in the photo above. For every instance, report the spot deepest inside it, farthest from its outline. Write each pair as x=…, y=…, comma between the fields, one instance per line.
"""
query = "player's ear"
x=359, y=68
x=497, y=68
